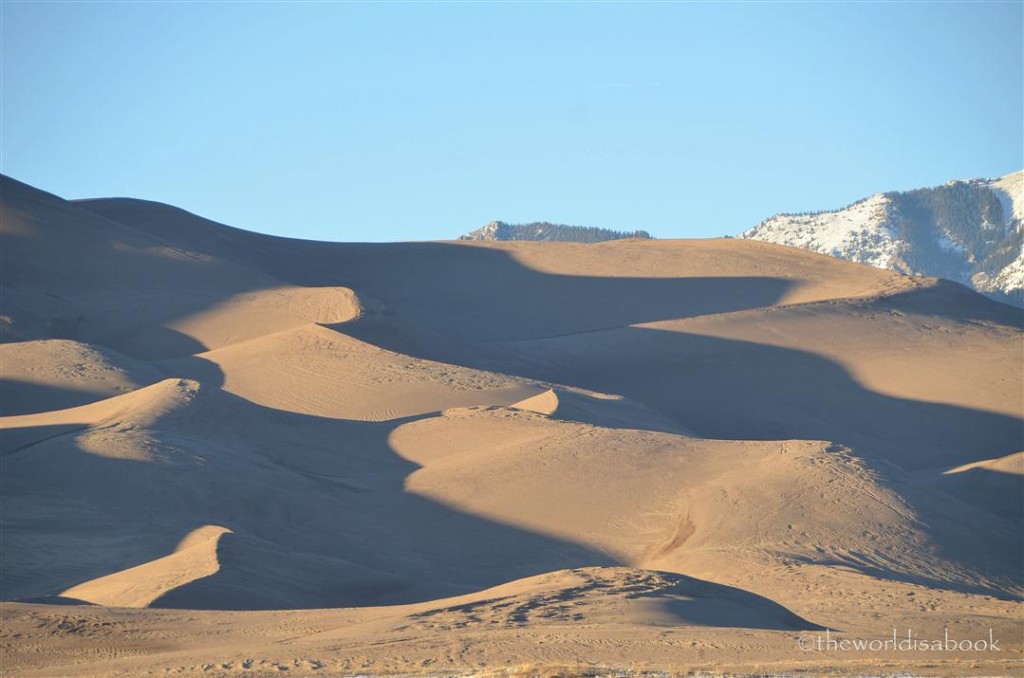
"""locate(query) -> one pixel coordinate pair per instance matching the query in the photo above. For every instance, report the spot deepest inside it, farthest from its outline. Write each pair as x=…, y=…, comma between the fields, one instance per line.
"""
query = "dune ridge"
x=1011, y=463
x=195, y=557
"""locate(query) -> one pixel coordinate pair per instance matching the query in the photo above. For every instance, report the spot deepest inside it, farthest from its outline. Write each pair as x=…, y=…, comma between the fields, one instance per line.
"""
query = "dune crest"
x=59, y=373
x=542, y=403
x=1011, y=464
x=194, y=558
x=598, y=409
x=240, y=318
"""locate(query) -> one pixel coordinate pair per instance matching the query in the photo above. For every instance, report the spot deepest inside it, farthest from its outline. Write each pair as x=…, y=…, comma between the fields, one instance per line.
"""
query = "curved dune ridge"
x=598, y=409
x=547, y=403
x=195, y=557
x=58, y=373
x=72, y=273
x=135, y=411
x=319, y=371
x=1011, y=464
x=237, y=319
x=139, y=408
x=410, y=457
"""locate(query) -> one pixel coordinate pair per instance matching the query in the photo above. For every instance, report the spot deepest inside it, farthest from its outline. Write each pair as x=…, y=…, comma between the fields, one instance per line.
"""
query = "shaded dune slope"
x=70, y=273
x=52, y=374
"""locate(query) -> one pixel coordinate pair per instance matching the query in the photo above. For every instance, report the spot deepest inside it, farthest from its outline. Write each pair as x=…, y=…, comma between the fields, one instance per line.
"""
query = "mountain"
x=234, y=454
x=544, y=231
x=970, y=231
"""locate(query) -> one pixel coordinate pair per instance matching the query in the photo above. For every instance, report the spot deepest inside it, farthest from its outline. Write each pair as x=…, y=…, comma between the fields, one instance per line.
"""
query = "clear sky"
x=422, y=121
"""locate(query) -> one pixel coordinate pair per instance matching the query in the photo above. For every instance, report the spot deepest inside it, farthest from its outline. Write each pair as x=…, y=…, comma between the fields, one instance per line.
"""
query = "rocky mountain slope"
x=968, y=231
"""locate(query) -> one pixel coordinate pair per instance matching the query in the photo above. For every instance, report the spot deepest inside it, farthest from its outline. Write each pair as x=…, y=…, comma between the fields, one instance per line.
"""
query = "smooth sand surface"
x=58, y=373
x=226, y=453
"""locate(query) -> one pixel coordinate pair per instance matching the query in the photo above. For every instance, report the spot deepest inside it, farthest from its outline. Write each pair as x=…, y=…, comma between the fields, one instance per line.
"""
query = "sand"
x=226, y=453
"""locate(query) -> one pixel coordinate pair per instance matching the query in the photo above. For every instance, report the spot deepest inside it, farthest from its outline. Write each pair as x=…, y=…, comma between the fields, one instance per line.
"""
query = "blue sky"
x=422, y=121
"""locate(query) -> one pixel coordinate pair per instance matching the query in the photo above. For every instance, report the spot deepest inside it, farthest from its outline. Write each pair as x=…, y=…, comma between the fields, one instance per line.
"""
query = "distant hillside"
x=970, y=231
x=542, y=230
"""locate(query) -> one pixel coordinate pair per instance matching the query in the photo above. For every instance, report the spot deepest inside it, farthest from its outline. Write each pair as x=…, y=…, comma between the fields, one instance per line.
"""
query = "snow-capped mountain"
x=542, y=230
x=970, y=231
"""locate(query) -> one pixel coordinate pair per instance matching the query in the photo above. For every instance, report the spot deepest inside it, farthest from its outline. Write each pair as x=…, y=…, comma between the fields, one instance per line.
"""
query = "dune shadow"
x=76, y=274
x=953, y=301
x=153, y=342
x=19, y=397
x=696, y=602
x=999, y=493
x=473, y=293
x=733, y=389
x=478, y=294
x=55, y=600
x=194, y=367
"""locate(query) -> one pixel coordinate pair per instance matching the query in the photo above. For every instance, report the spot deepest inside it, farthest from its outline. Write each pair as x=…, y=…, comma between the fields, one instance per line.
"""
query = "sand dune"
x=598, y=409
x=300, y=494
x=143, y=295
x=497, y=291
x=677, y=503
x=194, y=558
x=321, y=371
x=239, y=318
x=765, y=374
x=250, y=454
x=1010, y=464
x=991, y=484
x=58, y=373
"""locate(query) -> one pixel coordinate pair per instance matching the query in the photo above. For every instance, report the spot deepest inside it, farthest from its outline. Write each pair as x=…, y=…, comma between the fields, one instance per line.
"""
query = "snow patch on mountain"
x=970, y=231
x=1010, y=191
x=861, y=232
